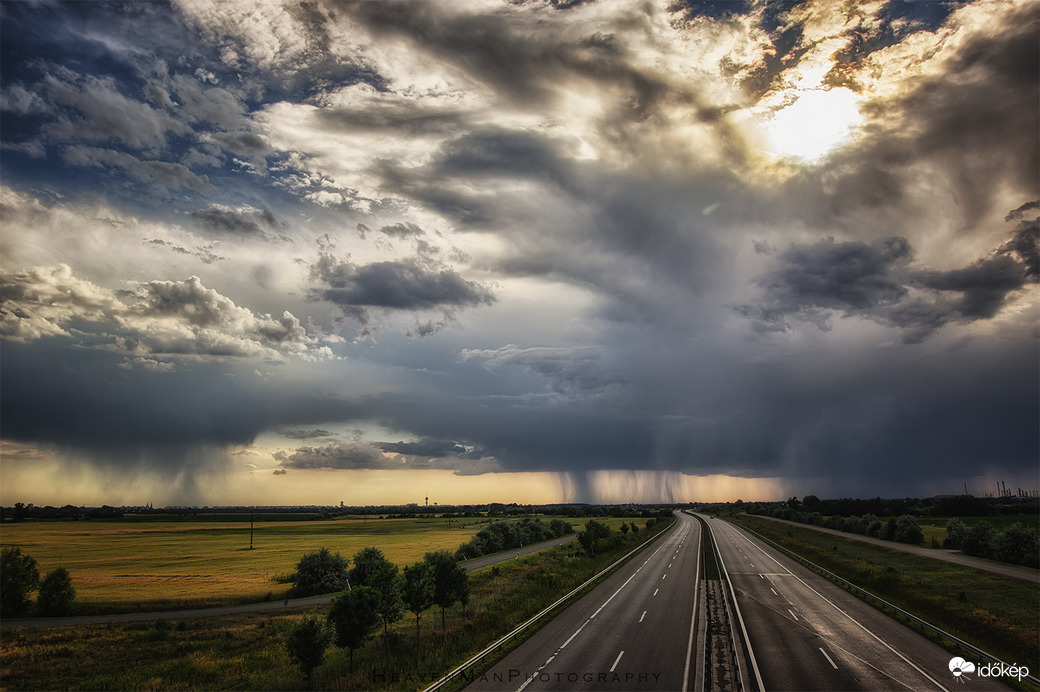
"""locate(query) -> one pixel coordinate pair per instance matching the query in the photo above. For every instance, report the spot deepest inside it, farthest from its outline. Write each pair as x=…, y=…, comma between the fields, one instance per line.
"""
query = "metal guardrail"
x=841, y=581
x=457, y=671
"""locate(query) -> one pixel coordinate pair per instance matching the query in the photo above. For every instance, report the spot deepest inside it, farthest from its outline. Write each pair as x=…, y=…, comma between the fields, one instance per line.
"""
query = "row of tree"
x=507, y=535
x=1015, y=544
x=374, y=591
x=903, y=528
x=19, y=577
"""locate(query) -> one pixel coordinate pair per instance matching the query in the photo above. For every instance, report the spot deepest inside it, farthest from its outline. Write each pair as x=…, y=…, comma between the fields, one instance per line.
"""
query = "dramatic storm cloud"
x=548, y=251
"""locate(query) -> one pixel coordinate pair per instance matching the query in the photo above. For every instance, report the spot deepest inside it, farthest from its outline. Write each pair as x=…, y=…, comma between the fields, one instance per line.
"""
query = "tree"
x=1018, y=545
x=624, y=529
x=367, y=562
x=593, y=532
x=417, y=590
x=979, y=539
x=355, y=615
x=307, y=642
x=908, y=530
x=450, y=581
x=56, y=593
x=387, y=582
x=18, y=578
x=956, y=530
x=320, y=572
x=635, y=530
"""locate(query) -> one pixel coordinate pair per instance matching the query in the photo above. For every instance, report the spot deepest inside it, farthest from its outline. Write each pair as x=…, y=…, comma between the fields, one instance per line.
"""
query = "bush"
x=56, y=593
x=18, y=578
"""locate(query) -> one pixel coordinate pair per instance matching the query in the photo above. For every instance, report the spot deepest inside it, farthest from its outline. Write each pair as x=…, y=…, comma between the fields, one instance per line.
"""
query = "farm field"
x=247, y=651
x=121, y=566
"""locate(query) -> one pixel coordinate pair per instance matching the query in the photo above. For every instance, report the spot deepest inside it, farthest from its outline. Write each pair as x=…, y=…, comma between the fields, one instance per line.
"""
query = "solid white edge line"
x=616, y=660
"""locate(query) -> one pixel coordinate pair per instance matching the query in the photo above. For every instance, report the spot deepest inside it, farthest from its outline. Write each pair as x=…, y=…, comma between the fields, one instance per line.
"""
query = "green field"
x=119, y=566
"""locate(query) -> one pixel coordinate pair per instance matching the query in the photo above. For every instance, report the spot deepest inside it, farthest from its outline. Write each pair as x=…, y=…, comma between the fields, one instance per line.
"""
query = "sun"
x=813, y=124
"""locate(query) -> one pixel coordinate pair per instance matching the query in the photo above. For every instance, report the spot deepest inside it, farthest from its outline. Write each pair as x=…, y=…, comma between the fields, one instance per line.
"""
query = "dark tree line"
x=1016, y=544
x=509, y=535
x=903, y=528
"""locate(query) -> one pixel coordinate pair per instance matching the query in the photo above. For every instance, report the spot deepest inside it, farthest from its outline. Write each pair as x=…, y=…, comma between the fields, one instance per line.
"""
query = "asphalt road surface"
x=808, y=634
x=634, y=631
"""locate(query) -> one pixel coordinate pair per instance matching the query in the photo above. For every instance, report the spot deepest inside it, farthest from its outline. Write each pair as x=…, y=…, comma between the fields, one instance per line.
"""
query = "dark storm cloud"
x=300, y=434
x=234, y=222
x=402, y=230
x=874, y=280
x=404, y=117
x=567, y=370
x=394, y=285
x=359, y=456
x=528, y=63
x=333, y=457
x=851, y=277
x=427, y=447
x=164, y=173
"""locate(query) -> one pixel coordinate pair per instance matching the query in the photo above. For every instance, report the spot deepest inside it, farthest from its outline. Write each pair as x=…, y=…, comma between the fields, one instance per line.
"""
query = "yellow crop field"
x=120, y=566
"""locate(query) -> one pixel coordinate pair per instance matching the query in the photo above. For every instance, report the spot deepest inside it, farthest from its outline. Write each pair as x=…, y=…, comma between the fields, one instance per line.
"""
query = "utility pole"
x=251, y=509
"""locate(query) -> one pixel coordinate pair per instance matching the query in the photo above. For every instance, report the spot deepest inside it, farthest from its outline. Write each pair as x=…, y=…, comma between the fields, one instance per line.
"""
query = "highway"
x=808, y=634
x=634, y=631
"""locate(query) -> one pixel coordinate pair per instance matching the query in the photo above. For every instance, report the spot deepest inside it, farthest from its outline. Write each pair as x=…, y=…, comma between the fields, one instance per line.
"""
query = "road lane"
x=632, y=632
x=809, y=634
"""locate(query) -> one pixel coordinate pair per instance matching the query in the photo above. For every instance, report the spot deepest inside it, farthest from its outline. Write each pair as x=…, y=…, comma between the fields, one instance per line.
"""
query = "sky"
x=517, y=251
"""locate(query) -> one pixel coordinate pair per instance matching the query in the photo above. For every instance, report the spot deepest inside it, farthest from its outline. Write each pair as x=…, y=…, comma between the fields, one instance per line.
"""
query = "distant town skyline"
x=486, y=251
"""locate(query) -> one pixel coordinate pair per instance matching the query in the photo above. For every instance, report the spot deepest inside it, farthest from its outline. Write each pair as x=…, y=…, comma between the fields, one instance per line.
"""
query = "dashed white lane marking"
x=623, y=653
x=642, y=616
x=591, y=618
x=774, y=591
x=655, y=592
x=792, y=614
x=663, y=576
x=835, y=665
